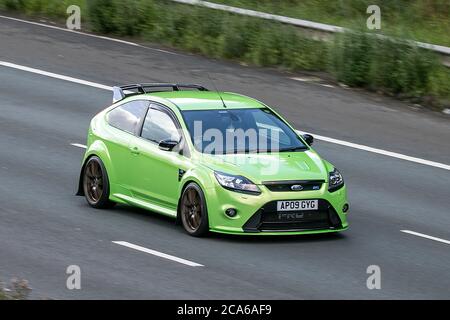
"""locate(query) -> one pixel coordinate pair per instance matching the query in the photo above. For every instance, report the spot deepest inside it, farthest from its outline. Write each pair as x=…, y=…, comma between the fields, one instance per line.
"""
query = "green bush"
x=11, y=5
x=102, y=15
x=401, y=67
x=51, y=8
x=392, y=65
x=351, y=56
x=267, y=48
x=124, y=18
x=238, y=36
x=301, y=53
x=439, y=84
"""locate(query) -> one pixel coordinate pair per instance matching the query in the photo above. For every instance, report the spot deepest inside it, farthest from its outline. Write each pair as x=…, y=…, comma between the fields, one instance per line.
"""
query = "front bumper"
x=257, y=215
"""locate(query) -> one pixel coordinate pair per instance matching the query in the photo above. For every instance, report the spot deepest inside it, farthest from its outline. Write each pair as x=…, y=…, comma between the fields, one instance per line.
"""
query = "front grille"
x=267, y=218
x=293, y=185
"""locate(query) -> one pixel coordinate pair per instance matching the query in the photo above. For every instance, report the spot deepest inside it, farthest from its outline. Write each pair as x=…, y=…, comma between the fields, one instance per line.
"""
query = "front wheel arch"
x=103, y=201
x=80, y=191
x=185, y=184
x=98, y=149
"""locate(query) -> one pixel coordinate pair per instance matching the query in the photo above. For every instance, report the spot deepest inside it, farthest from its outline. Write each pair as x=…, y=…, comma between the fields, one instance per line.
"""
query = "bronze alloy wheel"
x=191, y=209
x=96, y=184
x=93, y=181
x=194, y=216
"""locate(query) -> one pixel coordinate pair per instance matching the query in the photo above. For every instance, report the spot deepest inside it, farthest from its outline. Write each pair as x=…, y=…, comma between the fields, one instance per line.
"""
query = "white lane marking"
x=86, y=34
x=313, y=80
x=157, y=253
x=306, y=79
x=78, y=145
x=55, y=75
x=426, y=236
x=300, y=79
x=380, y=151
x=318, y=137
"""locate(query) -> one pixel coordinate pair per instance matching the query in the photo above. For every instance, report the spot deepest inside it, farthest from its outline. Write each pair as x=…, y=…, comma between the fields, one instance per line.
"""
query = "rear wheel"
x=194, y=215
x=96, y=184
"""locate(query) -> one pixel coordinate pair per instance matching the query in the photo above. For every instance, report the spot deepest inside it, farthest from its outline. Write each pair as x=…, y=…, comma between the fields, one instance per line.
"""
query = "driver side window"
x=159, y=126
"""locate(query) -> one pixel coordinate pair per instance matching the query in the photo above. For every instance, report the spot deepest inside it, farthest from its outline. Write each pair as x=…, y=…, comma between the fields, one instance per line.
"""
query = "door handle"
x=135, y=150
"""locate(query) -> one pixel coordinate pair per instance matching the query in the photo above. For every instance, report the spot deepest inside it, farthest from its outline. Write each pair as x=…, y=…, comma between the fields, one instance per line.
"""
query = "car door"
x=154, y=171
x=125, y=122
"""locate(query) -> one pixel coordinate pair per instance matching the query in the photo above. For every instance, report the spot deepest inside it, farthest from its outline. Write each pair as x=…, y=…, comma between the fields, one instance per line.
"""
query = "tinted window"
x=128, y=116
x=159, y=126
x=240, y=131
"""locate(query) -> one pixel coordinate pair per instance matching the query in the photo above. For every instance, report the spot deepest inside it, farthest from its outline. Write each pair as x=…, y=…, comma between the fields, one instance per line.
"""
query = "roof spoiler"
x=122, y=92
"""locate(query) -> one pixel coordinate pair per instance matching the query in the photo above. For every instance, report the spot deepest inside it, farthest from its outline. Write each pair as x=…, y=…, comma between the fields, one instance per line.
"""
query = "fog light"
x=345, y=208
x=231, y=212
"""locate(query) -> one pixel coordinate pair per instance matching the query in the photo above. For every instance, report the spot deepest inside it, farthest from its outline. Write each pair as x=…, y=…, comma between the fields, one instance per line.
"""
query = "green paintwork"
x=150, y=180
x=209, y=100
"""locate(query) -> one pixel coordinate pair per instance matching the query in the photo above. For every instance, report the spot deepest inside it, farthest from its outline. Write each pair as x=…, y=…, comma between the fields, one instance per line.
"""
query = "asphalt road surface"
x=44, y=228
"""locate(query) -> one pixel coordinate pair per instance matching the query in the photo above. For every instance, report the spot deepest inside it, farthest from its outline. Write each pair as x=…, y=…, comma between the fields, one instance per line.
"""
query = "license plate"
x=297, y=205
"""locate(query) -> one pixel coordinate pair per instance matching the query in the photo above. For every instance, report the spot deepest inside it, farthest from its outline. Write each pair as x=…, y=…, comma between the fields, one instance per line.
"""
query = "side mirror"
x=167, y=145
x=309, y=139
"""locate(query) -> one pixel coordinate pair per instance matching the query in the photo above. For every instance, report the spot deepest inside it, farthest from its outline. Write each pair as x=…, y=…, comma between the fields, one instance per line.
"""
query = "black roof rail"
x=121, y=92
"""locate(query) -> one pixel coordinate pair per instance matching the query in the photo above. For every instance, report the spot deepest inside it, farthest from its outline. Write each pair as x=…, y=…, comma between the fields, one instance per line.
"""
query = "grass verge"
x=420, y=20
x=395, y=67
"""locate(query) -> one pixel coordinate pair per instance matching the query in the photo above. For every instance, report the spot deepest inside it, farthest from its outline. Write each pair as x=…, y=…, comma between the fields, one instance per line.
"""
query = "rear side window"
x=159, y=126
x=128, y=116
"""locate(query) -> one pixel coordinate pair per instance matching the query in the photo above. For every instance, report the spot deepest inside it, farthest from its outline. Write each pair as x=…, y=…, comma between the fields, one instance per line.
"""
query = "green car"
x=213, y=161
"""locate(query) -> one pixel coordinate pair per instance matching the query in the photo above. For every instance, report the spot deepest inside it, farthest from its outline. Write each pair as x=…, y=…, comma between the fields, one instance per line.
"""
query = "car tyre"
x=193, y=211
x=96, y=184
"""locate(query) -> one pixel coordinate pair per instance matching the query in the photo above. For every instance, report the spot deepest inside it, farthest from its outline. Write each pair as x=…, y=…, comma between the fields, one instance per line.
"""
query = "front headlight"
x=236, y=183
x=335, y=180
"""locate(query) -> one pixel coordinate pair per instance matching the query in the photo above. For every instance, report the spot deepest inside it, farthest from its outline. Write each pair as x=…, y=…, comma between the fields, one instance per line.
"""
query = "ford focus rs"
x=214, y=161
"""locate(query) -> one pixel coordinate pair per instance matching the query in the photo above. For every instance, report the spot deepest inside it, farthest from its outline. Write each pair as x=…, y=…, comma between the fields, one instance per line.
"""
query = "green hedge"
x=356, y=59
x=394, y=66
x=50, y=8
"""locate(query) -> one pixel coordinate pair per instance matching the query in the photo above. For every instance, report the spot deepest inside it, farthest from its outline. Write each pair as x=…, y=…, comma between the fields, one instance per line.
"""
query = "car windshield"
x=240, y=131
